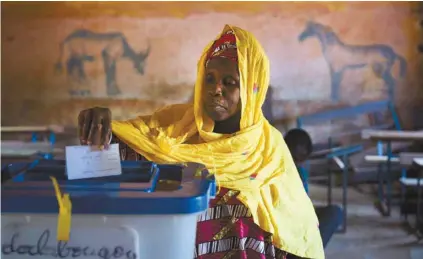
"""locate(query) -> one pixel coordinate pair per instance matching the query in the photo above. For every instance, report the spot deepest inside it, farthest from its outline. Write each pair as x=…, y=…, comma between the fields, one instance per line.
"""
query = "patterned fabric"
x=226, y=230
x=224, y=47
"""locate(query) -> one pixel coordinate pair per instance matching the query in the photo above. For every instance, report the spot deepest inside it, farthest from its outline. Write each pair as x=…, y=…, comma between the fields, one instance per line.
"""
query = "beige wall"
x=33, y=92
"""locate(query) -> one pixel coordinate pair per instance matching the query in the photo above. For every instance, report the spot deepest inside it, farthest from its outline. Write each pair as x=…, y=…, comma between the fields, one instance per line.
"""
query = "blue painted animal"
x=341, y=57
x=84, y=46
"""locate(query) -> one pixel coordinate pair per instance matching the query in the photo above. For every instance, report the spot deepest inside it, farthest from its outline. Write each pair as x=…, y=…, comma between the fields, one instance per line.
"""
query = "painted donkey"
x=83, y=46
x=341, y=57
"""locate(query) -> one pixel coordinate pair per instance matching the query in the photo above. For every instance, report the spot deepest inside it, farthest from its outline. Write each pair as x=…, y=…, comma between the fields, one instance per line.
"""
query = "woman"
x=262, y=210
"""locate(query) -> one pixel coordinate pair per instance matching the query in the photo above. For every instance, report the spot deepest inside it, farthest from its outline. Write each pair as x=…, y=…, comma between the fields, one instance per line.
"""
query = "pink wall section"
x=34, y=91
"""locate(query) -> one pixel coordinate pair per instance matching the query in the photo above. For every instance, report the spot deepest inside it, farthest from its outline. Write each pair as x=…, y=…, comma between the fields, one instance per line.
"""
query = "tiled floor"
x=369, y=235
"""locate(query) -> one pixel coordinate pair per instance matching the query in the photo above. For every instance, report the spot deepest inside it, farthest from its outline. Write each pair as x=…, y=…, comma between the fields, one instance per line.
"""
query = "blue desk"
x=388, y=136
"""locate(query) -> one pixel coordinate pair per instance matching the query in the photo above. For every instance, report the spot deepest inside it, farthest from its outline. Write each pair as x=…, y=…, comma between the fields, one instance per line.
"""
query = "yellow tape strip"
x=65, y=211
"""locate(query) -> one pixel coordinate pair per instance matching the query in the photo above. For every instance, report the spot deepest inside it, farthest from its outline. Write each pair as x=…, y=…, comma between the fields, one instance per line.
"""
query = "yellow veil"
x=276, y=196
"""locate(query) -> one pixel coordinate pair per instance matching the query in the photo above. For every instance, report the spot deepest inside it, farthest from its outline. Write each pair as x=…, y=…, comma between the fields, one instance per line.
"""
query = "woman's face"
x=221, y=96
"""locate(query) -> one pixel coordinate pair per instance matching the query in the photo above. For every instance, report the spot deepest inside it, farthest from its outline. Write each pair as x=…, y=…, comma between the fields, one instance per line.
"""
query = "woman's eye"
x=210, y=79
x=230, y=82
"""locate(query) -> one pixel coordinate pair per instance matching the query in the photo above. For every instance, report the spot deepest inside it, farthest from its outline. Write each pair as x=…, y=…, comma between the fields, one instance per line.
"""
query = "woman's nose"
x=218, y=89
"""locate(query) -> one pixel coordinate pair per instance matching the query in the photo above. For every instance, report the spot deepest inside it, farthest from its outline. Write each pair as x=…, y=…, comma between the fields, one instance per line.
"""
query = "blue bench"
x=37, y=133
x=340, y=154
x=375, y=107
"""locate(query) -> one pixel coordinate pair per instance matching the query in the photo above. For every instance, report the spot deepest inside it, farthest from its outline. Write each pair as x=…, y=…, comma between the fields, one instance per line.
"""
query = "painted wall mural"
x=60, y=57
x=83, y=46
x=341, y=56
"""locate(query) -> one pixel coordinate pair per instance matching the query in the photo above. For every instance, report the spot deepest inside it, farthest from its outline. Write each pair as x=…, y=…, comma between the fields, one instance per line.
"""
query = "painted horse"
x=341, y=57
x=84, y=46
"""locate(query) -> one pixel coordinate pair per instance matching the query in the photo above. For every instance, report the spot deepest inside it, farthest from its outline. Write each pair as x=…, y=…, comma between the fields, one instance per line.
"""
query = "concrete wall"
x=59, y=58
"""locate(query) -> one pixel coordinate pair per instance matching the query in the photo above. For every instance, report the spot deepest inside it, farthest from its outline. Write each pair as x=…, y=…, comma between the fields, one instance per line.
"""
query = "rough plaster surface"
x=34, y=93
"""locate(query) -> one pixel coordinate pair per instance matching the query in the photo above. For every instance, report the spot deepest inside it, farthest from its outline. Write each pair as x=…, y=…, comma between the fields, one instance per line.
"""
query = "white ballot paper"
x=86, y=162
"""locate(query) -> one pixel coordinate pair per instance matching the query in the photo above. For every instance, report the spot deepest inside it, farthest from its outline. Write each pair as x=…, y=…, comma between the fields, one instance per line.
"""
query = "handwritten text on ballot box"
x=87, y=162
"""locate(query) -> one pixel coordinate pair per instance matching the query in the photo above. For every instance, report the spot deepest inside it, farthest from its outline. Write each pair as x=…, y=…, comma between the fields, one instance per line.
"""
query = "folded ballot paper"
x=88, y=162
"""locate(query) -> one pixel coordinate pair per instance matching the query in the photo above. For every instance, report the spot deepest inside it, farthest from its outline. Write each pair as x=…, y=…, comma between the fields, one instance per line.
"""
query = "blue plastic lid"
x=133, y=193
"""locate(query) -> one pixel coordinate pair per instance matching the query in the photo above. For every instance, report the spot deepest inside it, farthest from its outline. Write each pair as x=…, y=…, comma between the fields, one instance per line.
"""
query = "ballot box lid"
x=30, y=189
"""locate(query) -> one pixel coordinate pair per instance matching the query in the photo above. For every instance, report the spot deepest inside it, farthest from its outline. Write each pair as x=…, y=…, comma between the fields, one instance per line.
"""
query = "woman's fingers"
x=81, y=119
x=94, y=127
x=107, y=129
x=85, y=126
x=94, y=137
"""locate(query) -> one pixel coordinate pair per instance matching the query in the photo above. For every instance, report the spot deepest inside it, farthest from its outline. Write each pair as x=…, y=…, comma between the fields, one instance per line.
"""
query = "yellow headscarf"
x=276, y=196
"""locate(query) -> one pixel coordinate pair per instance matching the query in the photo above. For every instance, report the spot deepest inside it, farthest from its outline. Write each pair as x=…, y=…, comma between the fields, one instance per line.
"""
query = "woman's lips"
x=217, y=107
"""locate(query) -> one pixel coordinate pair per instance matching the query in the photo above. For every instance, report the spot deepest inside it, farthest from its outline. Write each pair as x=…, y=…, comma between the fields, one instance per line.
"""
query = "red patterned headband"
x=221, y=46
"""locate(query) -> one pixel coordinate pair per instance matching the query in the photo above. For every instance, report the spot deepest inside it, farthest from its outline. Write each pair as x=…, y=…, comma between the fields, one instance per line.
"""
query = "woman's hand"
x=94, y=126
